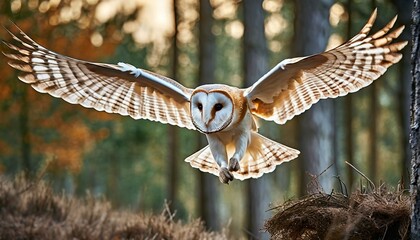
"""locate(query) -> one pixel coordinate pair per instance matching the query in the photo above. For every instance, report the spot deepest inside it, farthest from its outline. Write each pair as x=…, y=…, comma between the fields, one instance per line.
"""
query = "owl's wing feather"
x=295, y=84
x=121, y=88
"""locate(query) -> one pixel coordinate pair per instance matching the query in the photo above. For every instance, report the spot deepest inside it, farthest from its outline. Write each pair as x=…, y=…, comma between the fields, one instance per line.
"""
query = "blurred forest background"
x=138, y=165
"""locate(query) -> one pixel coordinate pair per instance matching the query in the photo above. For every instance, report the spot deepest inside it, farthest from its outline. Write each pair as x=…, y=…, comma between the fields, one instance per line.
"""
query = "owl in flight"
x=226, y=115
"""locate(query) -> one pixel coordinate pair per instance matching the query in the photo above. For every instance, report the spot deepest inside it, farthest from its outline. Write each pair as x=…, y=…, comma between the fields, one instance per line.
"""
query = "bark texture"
x=415, y=122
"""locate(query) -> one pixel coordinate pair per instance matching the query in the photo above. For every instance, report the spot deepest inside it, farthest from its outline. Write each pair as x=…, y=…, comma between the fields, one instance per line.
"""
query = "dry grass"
x=33, y=211
x=379, y=214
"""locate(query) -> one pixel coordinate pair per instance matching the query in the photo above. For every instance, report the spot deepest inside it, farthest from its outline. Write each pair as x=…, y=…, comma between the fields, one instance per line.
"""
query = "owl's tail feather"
x=262, y=156
x=203, y=160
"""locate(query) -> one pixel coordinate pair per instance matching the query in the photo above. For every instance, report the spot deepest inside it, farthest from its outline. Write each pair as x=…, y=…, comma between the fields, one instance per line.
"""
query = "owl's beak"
x=208, y=116
x=206, y=126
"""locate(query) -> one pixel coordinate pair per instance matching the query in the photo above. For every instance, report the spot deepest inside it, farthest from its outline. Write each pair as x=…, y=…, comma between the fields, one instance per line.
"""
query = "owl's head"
x=211, y=109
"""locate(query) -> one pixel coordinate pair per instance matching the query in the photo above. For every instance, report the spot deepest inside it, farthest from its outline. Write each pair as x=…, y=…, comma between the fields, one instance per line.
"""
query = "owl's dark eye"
x=200, y=106
x=218, y=106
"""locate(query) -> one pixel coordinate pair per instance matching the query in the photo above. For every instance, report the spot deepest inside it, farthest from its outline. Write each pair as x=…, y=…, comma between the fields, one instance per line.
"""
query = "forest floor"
x=32, y=211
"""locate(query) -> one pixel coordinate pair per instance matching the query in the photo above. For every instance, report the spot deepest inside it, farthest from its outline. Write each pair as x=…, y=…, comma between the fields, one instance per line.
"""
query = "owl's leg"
x=225, y=176
x=240, y=148
x=219, y=153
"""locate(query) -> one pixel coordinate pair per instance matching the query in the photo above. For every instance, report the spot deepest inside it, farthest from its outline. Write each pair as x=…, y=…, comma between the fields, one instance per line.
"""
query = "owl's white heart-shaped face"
x=211, y=111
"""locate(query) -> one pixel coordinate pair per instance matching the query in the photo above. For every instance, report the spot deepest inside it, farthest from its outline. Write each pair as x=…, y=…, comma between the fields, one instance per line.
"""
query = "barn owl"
x=225, y=114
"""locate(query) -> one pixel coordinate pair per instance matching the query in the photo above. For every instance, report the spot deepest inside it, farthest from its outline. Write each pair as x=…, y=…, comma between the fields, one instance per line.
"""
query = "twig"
x=363, y=175
x=167, y=211
x=343, y=186
x=38, y=177
x=314, y=180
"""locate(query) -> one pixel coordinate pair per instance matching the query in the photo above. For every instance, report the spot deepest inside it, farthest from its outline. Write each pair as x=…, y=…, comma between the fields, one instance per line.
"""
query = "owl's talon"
x=234, y=165
x=225, y=176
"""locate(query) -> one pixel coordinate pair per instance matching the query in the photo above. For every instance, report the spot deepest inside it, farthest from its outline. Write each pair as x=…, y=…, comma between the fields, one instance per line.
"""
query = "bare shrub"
x=33, y=211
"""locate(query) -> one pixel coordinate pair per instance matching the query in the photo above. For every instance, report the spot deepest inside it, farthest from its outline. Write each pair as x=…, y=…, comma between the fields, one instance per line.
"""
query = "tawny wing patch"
x=295, y=84
x=121, y=88
x=262, y=156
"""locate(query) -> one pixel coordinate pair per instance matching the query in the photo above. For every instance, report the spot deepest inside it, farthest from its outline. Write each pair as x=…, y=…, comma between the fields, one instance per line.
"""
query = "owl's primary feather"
x=294, y=85
x=104, y=87
x=226, y=115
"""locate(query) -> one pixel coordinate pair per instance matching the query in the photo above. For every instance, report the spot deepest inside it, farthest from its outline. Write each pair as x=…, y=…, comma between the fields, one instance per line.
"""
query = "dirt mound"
x=33, y=211
x=375, y=215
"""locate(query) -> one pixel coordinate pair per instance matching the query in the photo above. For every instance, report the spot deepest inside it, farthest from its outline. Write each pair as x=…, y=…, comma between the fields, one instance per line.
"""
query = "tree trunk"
x=373, y=129
x=312, y=30
x=404, y=17
x=415, y=122
x=173, y=157
x=208, y=192
x=25, y=136
x=255, y=65
x=348, y=118
x=373, y=148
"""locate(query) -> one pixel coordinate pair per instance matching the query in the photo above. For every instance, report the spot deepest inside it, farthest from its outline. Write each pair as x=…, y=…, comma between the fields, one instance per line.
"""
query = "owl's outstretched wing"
x=121, y=88
x=295, y=84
